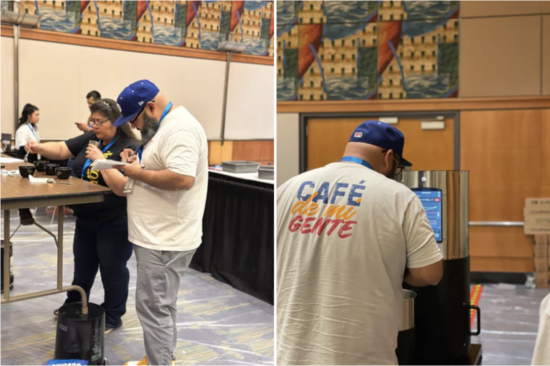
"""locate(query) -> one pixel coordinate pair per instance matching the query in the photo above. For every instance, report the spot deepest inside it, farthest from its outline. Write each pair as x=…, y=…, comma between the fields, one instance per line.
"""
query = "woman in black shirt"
x=101, y=234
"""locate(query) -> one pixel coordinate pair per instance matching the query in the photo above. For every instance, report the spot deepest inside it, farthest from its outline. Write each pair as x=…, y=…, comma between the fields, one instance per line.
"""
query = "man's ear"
x=388, y=158
x=151, y=106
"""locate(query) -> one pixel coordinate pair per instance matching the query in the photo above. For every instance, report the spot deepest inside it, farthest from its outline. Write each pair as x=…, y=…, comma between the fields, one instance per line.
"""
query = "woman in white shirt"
x=27, y=131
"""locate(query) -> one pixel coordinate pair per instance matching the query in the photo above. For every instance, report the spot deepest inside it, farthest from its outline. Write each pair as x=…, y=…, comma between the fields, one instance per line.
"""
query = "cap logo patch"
x=358, y=135
x=140, y=103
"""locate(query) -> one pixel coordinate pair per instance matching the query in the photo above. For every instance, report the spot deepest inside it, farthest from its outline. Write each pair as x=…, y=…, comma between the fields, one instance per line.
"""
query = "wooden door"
x=425, y=149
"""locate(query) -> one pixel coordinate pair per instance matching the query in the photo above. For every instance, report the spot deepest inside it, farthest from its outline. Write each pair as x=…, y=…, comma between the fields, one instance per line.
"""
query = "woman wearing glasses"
x=101, y=234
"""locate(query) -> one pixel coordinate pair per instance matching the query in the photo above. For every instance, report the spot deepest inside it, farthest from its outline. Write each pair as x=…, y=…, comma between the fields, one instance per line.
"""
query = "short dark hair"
x=93, y=94
x=109, y=109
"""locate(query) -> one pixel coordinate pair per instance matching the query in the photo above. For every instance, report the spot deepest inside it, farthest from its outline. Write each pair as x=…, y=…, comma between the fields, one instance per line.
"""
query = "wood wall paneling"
x=503, y=152
x=218, y=153
x=500, y=129
x=267, y=150
x=426, y=149
x=501, y=242
x=546, y=52
x=499, y=203
x=498, y=264
x=415, y=105
x=500, y=56
x=327, y=139
x=499, y=8
x=545, y=148
x=260, y=151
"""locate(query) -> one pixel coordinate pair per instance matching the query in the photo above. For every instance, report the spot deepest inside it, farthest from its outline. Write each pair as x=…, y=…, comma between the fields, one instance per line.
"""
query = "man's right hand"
x=82, y=126
x=32, y=147
x=127, y=154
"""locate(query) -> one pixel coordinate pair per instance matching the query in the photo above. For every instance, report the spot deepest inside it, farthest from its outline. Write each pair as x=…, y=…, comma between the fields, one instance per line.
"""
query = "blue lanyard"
x=166, y=110
x=357, y=161
x=88, y=161
x=33, y=132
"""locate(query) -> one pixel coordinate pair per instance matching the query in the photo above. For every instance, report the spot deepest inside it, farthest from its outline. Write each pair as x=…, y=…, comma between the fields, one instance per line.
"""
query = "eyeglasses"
x=399, y=167
x=97, y=122
x=133, y=121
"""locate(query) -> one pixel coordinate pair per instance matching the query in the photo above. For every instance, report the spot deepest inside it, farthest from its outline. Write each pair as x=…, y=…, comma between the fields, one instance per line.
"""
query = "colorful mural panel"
x=350, y=50
x=189, y=24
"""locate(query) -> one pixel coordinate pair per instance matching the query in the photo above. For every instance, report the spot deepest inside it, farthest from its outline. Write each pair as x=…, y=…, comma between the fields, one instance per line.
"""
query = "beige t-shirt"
x=541, y=356
x=171, y=220
x=345, y=235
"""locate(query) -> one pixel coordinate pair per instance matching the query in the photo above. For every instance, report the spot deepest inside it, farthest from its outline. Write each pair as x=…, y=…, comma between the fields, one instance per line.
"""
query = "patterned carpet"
x=217, y=325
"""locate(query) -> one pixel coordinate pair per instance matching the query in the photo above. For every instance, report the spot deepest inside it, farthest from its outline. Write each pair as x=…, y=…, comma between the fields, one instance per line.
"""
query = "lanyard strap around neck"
x=353, y=159
x=164, y=113
x=33, y=132
x=88, y=161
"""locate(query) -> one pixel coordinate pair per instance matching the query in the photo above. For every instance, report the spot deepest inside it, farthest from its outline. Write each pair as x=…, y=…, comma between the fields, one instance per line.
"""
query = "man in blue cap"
x=166, y=189
x=348, y=235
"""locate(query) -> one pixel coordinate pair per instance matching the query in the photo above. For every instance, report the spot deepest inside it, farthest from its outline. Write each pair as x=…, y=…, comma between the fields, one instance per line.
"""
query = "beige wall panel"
x=250, y=102
x=500, y=56
x=194, y=83
x=546, y=54
x=287, y=141
x=8, y=114
x=58, y=84
x=499, y=8
x=49, y=78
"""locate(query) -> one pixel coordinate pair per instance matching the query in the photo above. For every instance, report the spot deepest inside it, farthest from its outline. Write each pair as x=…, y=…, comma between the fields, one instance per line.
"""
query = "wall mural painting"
x=189, y=24
x=351, y=50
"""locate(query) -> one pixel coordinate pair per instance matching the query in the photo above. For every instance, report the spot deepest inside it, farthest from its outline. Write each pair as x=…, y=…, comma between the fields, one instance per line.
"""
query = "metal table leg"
x=60, y=218
x=7, y=253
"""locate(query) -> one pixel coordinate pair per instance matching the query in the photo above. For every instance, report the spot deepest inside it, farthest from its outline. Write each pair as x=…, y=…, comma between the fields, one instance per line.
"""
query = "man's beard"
x=149, y=128
x=391, y=174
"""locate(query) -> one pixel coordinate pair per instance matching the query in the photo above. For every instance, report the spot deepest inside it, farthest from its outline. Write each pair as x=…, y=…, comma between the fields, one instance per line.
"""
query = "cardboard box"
x=542, y=264
x=537, y=202
x=536, y=216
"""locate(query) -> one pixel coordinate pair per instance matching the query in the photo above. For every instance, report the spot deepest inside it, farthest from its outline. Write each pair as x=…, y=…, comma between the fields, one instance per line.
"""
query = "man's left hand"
x=132, y=171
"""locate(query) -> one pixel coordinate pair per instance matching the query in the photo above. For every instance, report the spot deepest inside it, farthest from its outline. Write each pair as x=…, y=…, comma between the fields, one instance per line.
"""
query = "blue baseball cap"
x=134, y=98
x=382, y=135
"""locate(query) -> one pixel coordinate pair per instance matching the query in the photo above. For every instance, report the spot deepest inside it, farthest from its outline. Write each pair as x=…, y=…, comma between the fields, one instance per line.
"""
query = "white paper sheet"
x=101, y=164
x=38, y=180
x=6, y=160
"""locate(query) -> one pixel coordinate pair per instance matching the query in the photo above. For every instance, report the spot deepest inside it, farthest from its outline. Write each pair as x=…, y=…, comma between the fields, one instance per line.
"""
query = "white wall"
x=250, y=102
x=288, y=154
x=56, y=78
x=8, y=117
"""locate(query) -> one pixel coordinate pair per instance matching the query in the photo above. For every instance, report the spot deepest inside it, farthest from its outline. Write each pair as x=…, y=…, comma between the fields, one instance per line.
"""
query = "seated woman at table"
x=101, y=234
x=27, y=130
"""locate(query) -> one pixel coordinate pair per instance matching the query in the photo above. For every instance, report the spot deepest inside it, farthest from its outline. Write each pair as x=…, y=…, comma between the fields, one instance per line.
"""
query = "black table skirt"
x=238, y=235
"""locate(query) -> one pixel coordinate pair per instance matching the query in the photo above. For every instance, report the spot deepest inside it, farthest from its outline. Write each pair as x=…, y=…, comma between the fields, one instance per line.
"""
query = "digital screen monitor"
x=431, y=200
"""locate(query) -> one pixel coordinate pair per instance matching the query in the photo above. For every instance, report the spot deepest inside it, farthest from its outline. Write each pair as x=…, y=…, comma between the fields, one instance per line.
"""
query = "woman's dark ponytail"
x=28, y=110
